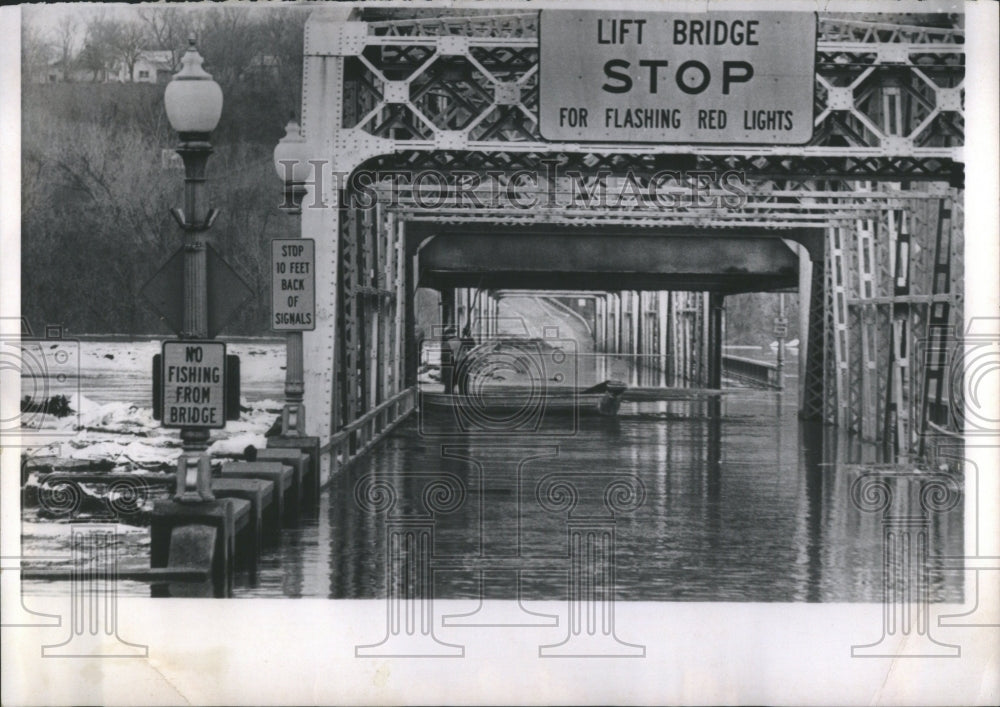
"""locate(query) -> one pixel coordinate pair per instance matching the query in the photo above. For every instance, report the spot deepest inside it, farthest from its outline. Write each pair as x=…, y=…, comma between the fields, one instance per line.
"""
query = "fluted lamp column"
x=291, y=162
x=194, y=105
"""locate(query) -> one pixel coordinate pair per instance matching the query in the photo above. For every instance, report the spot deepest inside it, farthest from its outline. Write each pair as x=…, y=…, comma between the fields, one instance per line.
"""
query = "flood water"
x=727, y=498
x=728, y=501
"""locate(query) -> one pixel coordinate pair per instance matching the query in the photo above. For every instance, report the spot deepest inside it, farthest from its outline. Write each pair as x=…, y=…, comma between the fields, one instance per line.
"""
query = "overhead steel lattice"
x=469, y=84
x=619, y=189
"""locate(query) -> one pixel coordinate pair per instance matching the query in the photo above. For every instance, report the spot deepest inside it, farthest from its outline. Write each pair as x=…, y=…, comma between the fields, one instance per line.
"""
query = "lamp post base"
x=194, y=478
x=293, y=420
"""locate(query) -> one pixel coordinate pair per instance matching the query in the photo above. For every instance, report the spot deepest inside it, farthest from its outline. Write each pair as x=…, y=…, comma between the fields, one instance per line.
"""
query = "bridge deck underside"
x=608, y=262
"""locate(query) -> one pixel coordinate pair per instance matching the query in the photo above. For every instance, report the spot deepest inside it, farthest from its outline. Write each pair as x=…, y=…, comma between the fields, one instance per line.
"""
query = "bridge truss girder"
x=457, y=98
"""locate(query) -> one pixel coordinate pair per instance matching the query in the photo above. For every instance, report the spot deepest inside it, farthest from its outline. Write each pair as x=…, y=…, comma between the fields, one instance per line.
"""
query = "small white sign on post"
x=194, y=384
x=293, y=284
x=741, y=77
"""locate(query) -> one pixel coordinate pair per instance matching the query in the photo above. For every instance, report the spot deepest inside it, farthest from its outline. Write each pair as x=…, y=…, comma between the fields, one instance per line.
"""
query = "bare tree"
x=282, y=31
x=65, y=40
x=168, y=29
x=35, y=52
x=229, y=40
x=98, y=55
x=129, y=41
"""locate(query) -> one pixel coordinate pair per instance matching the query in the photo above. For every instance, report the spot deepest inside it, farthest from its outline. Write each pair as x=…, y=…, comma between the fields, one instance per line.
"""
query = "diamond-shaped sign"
x=227, y=291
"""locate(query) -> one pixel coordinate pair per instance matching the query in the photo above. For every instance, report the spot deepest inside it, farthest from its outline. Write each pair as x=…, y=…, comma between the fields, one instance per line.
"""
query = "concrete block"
x=283, y=478
x=295, y=459
x=260, y=495
x=306, y=445
x=220, y=514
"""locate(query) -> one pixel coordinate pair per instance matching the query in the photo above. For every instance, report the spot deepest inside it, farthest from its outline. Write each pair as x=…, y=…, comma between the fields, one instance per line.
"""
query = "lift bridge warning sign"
x=713, y=77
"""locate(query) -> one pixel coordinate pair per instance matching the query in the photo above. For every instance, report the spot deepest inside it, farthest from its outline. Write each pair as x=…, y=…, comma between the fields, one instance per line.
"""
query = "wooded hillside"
x=98, y=181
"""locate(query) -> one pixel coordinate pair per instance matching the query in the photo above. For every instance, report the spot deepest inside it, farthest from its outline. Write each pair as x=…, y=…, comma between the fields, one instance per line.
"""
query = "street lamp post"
x=194, y=104
x=291, y=161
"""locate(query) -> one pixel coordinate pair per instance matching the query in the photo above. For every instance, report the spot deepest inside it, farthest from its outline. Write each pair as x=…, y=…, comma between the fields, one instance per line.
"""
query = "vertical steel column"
x=830, y=392
x=670, y=326
x=351, y=339
x=402, y=302
x=923, y=218
x=387, y=228
x=716, y=304
x=408, y=337
x=323, y=212
x=855, y=408
x=484, y=315
x=609, y=323
x=383, y=281
x=805, y=297
x=367, y=318
x=704, y=345
x=780, y=363
x=956, y=228
x=934, y=402
x=619, y=322
x=636, y=336
x=447, y=324
x=837, y=236
x=681, y=340
x=868, y=314
x=598, y=323
x=462, y=316
x=896, y=410
x=384, y=309
x=696, y=337
x=663, y=325
x=812, y=375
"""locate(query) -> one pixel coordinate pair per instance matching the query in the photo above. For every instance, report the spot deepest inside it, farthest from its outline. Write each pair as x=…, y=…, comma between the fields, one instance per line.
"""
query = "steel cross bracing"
x=456, y=98
x=467, y=84
x=637, y=200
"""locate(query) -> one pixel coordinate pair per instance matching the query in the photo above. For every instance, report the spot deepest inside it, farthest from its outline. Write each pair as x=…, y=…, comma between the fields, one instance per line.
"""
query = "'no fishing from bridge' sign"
x=714, y=77
x=193, y=384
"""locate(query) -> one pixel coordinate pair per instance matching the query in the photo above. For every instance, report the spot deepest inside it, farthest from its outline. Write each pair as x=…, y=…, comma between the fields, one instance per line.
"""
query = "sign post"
x=293, y=310
x=711, y=77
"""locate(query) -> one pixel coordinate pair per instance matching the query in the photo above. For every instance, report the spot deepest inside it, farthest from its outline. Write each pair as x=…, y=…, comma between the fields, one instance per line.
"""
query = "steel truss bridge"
x=435, y=115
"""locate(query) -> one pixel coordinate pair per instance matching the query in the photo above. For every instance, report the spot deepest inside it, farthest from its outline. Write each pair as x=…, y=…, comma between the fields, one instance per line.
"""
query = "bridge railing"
x=360, y=435
x=753, y=371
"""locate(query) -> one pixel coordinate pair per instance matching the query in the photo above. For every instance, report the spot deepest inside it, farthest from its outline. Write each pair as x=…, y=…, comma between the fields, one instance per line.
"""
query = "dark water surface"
x=733, y=502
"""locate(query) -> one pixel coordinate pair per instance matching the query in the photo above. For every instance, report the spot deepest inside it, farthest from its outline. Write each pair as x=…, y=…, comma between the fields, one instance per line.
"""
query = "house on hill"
x=58, y=71
x=152, y=66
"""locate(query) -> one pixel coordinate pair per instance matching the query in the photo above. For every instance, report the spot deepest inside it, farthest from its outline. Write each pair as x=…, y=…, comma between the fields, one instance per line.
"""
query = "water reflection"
x=740, y=502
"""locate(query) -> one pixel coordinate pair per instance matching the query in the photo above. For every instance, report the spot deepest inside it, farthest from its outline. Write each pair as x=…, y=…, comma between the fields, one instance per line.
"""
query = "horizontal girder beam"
x=607, y=262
